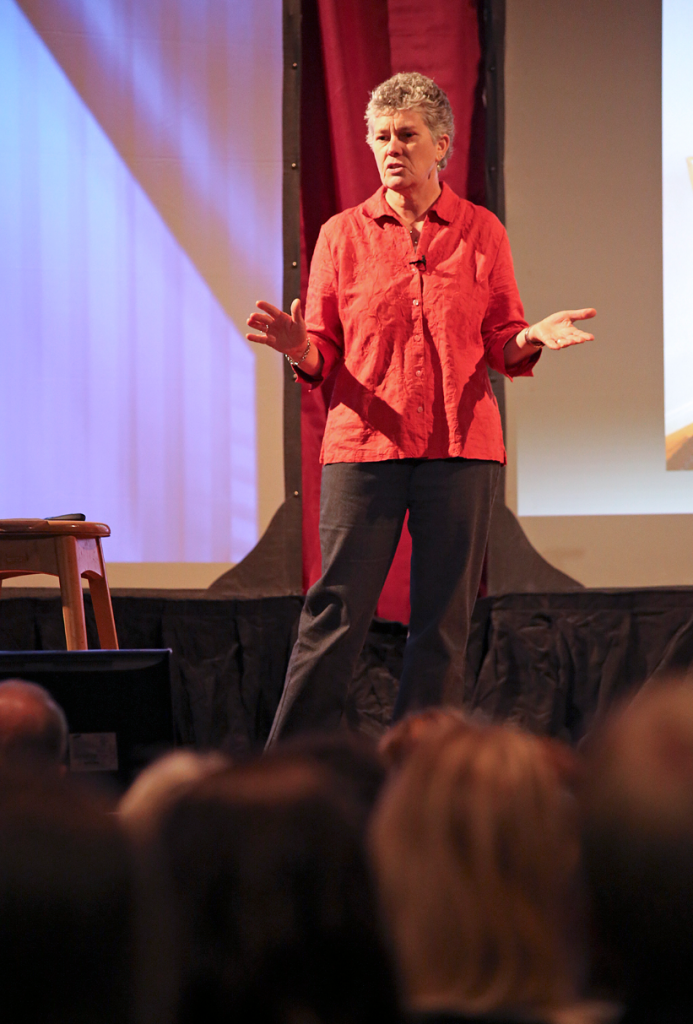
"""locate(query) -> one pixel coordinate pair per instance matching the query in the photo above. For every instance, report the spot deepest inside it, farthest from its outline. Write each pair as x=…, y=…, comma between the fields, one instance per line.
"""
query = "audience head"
x=357, y=769
x=638, y=843
x=476, y=851
x=33, y=728
x=274, y=904
x=66, y=918
x=157, y=787
x=400, y=740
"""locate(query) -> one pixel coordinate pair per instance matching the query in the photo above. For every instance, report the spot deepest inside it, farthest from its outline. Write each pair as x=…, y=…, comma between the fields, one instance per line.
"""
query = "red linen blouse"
x=413, y=339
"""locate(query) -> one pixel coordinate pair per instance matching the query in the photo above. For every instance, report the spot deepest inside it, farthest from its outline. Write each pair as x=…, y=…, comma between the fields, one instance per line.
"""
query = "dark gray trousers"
x=362, y=511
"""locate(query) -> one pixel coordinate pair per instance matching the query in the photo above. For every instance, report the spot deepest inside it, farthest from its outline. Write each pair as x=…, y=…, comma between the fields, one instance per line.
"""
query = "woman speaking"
x=413, y=295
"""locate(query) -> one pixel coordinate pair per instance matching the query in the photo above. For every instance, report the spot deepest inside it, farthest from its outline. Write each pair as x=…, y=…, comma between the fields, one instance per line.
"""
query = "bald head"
x=33, y=728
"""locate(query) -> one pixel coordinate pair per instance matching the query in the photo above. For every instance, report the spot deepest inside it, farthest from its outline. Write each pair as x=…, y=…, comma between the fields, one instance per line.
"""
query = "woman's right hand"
x=284, y=333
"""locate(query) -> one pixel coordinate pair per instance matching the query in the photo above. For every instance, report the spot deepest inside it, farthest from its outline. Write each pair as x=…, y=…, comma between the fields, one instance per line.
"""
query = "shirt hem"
x=363, y=455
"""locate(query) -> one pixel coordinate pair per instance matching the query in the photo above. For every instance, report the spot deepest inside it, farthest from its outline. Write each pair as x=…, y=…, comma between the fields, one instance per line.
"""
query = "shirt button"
x=418, y=374
x=420, y=409
x=416, y=302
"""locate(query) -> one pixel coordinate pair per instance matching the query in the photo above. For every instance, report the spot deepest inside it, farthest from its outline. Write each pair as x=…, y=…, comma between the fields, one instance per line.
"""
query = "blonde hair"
x=475, y=848
x=161, y=784
x=410, y=90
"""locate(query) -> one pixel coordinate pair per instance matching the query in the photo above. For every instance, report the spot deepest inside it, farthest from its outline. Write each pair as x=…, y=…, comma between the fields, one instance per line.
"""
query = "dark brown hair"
x=274, y=901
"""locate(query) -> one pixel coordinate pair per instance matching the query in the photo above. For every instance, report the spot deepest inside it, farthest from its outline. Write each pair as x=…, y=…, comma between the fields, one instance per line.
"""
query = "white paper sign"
x=93, y=752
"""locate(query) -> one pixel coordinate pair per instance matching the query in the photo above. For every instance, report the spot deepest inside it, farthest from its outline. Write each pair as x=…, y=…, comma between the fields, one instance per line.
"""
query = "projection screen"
x=677, y=225
x=140, y=213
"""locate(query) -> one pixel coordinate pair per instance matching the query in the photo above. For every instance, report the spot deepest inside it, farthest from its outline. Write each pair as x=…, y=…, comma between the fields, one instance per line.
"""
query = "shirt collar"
x=445, y=206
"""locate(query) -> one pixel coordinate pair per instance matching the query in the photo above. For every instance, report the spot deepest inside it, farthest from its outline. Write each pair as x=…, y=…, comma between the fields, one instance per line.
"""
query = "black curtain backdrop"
x=552, y=663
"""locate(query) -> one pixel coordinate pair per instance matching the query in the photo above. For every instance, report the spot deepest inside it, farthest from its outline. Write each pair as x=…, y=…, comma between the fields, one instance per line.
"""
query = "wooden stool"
x=68, y=550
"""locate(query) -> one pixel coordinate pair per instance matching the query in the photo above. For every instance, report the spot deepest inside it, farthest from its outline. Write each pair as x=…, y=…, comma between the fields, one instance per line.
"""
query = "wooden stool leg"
x=103, y=612
x=71, y=594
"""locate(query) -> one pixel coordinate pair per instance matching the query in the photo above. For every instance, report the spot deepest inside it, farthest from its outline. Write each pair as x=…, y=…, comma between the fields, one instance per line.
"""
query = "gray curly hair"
x=411, y=91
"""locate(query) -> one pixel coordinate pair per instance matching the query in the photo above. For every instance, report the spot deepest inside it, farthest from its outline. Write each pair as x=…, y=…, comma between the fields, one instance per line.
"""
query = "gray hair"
x=411, y=91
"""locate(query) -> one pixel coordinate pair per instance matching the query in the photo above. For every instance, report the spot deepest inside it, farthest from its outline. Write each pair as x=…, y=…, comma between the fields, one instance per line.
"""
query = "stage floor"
x=550, y=662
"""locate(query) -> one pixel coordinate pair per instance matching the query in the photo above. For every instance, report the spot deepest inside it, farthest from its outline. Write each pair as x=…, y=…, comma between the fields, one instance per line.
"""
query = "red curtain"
x=348, y=49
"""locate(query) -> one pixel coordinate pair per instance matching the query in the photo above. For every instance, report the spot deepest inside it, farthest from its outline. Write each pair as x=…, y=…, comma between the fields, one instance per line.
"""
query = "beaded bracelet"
x=297, y=362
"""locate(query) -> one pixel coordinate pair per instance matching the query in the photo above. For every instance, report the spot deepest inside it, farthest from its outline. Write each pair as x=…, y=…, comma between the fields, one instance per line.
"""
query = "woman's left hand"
x=559, y=331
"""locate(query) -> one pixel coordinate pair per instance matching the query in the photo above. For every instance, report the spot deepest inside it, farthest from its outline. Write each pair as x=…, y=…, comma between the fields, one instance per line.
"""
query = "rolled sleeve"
x=504, y=317
x=322, y=311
